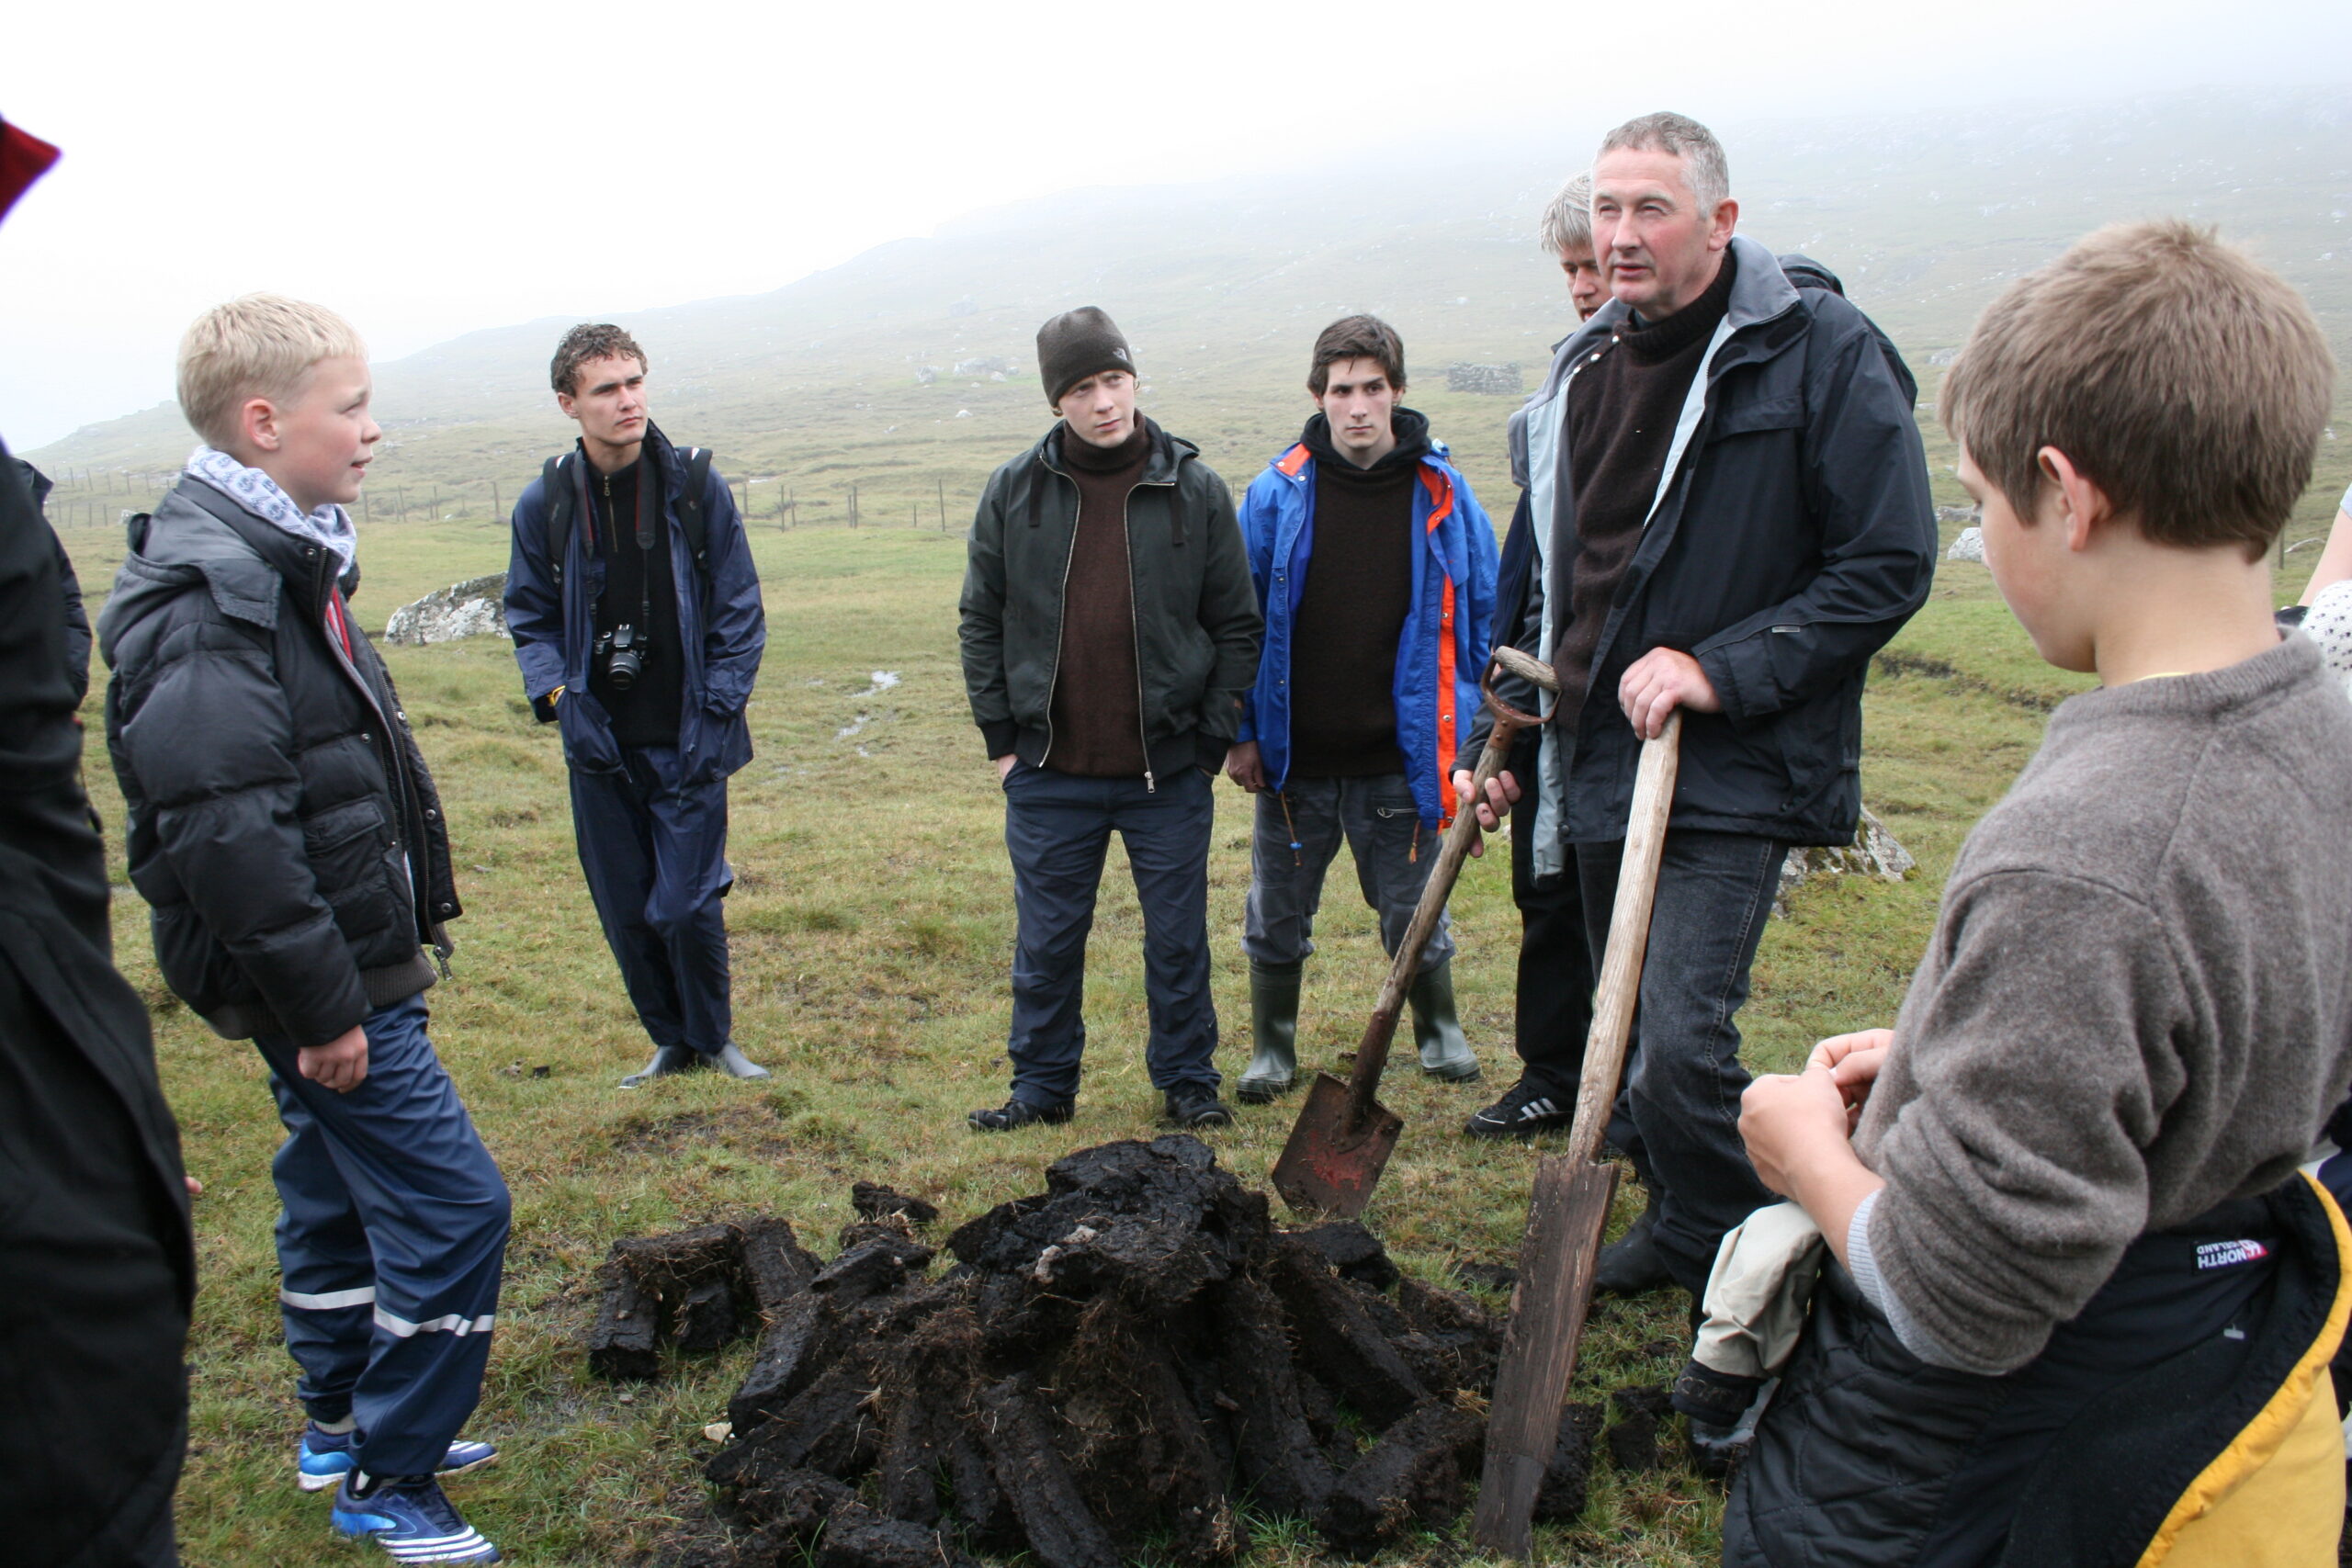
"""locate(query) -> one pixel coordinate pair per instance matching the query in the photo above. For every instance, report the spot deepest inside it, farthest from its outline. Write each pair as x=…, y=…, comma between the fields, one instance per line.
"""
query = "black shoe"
x=1631, y=1265
x=1196, y=1105
x=668, y=1062
x=1016, y=1112
x=1526, y=1108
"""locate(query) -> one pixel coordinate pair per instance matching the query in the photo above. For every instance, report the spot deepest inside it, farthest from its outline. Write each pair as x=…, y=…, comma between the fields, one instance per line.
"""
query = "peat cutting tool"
x=1343, y=1136
x=1569, y=1208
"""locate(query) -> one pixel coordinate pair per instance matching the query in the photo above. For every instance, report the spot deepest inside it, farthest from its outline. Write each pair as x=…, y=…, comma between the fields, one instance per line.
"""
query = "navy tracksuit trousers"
x=655, y=855
x=1057, y=829
x=390, y=1246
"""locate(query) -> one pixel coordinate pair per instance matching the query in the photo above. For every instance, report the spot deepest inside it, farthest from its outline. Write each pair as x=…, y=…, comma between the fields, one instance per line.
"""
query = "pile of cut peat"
x=1115, y=1367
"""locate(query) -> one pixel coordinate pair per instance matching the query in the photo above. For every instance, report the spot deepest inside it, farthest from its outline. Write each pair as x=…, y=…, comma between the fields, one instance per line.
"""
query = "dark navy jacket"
x=1791, y=538
x=720, y=621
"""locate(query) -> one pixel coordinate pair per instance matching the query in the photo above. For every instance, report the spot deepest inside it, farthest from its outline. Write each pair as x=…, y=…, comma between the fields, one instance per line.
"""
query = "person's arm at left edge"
x=1229, y=613
x=735, y=632
x=534, y=605
x=1866, y=477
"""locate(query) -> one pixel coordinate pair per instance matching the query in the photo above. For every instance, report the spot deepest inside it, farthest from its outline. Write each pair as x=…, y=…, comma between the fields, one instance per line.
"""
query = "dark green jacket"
x=1196, y=615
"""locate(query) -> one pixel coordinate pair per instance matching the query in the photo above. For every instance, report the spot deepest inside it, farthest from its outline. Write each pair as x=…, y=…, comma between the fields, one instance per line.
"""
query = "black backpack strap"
x=555, y=490
x=690, y=515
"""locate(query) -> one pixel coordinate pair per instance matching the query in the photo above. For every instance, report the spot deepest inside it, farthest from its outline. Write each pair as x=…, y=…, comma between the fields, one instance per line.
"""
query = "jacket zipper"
x=1134, y=631
x=1054, y=680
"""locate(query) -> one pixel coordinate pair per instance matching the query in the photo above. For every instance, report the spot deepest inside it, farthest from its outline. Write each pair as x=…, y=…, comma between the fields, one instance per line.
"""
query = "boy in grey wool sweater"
x=2084, y=1300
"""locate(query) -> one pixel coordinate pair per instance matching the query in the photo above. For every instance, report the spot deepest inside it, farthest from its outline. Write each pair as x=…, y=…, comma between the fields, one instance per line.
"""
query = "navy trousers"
x=655, y=856
x=1678, y=1113
x=390, y=1246
x=1057, y=828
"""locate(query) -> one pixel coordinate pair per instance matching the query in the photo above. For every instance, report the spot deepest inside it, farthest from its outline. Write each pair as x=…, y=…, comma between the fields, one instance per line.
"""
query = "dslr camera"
x=623, y=651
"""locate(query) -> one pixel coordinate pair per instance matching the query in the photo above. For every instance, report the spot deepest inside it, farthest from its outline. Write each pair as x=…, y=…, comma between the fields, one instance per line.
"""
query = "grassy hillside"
x=813, y=389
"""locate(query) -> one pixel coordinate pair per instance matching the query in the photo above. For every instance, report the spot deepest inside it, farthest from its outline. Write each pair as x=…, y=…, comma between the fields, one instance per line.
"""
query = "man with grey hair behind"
x=1552, y=1009
x=1731, y=515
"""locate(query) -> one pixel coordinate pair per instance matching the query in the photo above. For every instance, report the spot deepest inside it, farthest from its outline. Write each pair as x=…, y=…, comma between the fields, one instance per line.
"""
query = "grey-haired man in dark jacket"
x=1731, y=516
x=1109, y=631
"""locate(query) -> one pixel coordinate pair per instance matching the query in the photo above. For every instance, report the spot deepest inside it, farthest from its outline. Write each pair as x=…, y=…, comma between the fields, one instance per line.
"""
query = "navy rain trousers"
x=655, y=855
x=390, y=1246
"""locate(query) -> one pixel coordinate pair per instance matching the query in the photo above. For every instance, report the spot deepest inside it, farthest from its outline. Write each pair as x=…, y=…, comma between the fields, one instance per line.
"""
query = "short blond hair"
x=260, y=345
x=2189, y=382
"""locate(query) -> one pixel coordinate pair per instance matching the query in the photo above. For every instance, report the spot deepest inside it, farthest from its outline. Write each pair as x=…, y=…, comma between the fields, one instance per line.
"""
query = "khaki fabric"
x=1757, y=1294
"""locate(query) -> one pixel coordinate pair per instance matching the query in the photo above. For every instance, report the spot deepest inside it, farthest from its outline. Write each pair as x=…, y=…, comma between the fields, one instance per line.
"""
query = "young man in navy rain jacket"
x=1375, y=570
x=640, y=635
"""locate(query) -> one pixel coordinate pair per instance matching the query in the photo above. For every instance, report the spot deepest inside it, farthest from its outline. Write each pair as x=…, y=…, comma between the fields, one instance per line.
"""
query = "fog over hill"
x=1222, y=287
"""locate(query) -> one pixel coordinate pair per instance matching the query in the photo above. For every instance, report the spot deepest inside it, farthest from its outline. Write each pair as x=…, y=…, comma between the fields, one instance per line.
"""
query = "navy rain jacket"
x=720, y=621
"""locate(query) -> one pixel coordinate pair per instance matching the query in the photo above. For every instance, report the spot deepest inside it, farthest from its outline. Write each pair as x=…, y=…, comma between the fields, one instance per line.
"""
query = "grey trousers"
x=1392, y=852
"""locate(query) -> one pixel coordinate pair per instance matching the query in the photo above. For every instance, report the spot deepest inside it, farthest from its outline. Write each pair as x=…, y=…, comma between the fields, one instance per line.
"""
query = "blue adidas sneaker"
x=321, y=1459
x=412, y=1518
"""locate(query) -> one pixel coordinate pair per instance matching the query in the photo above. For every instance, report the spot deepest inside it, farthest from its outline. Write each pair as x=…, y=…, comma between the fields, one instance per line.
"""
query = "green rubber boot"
x=1274, y=1033
x=1445, y=1052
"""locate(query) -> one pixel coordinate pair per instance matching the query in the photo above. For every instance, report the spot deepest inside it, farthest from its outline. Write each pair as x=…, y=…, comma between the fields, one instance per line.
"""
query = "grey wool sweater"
x=2137, y=1003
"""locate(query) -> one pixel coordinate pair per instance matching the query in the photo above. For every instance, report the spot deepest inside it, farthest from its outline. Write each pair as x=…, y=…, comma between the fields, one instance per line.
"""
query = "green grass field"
x=872, y=923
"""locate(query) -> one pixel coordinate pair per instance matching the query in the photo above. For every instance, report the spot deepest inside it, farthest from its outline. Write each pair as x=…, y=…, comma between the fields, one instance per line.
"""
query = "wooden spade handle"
x=1371, y=1051
x=1629, y=939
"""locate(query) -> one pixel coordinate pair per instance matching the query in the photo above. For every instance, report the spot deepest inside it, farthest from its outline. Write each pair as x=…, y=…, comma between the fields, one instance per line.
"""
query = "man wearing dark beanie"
x=1110, y=633
x=1376, y=571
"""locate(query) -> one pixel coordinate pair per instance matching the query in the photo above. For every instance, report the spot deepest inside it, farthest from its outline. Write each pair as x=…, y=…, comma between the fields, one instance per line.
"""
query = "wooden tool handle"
x=1629, y=937
x=1371, y=1051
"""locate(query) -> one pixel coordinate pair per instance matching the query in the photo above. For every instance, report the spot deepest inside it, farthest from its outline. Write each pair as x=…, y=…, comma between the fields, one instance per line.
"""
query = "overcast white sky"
x=429, y=168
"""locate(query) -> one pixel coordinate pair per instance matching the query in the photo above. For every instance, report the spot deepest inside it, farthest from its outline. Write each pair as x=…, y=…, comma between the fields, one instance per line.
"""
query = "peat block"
x=875, y=1201
x=1110, y=1369
x=1633, y=1440
x=1414, y=1473
x=1157, y=1221
x=623, y=1342
x=1567, y=1474
x=1354, y=1251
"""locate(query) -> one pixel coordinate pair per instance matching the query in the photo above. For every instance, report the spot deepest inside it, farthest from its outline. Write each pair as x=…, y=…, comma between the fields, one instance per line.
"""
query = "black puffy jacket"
x=1793, y=537
x=282, y=824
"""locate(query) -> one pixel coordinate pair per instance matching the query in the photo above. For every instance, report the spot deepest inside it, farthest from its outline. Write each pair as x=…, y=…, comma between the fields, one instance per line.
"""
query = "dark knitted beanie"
x=1076, y=344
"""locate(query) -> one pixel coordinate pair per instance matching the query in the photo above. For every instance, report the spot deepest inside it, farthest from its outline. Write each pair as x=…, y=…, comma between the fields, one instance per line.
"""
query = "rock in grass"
x=475, y=607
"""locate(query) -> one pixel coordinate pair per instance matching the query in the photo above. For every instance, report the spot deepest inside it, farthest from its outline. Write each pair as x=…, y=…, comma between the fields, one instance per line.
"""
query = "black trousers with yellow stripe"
x=2194, y=1366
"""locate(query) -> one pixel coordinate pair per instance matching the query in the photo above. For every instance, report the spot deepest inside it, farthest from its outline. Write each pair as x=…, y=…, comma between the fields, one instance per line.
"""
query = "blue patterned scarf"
x=259, y=494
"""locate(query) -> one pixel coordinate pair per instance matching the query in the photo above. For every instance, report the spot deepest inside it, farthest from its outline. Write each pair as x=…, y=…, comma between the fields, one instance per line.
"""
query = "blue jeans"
x=655, y=855
x=390, y=1244
x=1381, y=826
x=1057, y=828
x=1678, y=1114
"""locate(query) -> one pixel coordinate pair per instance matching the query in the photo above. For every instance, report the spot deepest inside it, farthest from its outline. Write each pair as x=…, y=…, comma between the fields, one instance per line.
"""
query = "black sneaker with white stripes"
x=1526, y=1108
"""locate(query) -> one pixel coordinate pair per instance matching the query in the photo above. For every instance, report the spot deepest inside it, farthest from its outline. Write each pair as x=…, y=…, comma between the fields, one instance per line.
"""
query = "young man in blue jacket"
x=1375, y=570
x=636, y=615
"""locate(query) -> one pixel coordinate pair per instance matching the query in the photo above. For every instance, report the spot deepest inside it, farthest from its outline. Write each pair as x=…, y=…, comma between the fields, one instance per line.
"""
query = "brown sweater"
x=1622, y=407
x=1352, y=609
x=1097, y=713
x=2137, y=1003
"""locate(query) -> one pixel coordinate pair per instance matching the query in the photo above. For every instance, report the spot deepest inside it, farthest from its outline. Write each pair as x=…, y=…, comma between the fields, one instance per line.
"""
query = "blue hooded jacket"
x=1441, y=654
x=720, y=622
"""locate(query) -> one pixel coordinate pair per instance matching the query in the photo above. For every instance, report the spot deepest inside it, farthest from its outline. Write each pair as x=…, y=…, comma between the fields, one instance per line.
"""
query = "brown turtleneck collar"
x=1653, y=343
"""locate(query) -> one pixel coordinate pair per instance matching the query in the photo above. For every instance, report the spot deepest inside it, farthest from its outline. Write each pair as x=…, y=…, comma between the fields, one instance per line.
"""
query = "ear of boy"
x=2098, y=596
